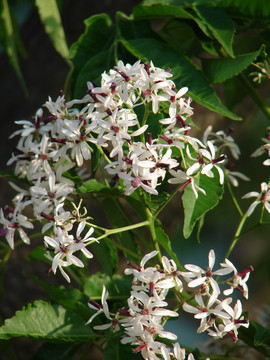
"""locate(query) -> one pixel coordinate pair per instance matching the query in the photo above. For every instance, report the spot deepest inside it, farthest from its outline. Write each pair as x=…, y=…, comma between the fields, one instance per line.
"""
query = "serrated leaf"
x=195, y=208
x=44, y=321
x=51, y=19
x=184, y=71
x=155, y=11
x=69, y=297
x=220, y=24
x=220, y=70
x=155, y=201
x=165, y=242
x=118, y=286
x=9, y=41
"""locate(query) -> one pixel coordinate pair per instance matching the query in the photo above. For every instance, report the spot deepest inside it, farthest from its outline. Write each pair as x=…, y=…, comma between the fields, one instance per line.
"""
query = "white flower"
x=236, y=319
x=233, y=175
x=262, y=197
x=172, y=271
x=181, y=177
x=239, y=279
x=16, y=222
x=222, y=140
x=102, y=309
x=205, y=276
x=63, y=247
x=79, y=241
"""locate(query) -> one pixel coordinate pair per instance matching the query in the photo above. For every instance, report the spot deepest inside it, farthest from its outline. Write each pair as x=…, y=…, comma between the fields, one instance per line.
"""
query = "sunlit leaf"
x=220, y=70
x=194, y=208
x=44, y=321
x=51, y=19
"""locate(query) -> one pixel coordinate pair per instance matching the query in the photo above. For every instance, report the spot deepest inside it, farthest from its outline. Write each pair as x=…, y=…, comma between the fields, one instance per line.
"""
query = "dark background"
x=45, y=72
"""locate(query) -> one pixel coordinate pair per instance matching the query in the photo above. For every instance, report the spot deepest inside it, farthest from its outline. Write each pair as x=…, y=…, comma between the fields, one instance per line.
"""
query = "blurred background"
x=45, y=72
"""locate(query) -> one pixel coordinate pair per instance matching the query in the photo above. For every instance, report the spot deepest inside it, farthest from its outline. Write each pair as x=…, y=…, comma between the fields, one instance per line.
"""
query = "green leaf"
x=50, y=17
x=127, y=28
x=127, y=239
x=165, y=242
x=182, y=3
x=220, y=24
x=184, y=71
x=195, y=208
x=9, y=174
x=90, y=48
x=94, y=186
x=249, y=8
x=156, y=11
x=9, y=41
x=106, y=253
x=220, y=70
x=44, y=321
x=118, y=286
x=155, y=201
x=73, y=176
x=186, y=42
x=92, y=71
x=69, y=297
x=257, y=337
x=38, y=254
x=91, y=186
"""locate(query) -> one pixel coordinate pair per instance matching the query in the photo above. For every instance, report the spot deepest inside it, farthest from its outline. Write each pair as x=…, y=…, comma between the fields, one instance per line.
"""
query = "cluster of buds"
x=143, y=321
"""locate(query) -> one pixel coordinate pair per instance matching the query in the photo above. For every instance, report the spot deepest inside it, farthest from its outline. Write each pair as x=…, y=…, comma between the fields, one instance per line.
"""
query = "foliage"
x=198, y=43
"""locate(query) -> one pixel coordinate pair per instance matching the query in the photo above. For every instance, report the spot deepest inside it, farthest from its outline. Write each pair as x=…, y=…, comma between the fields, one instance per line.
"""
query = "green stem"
x=255, y=96
x=122, y=229
x=96, y=226
x=234, y=198
x=137, y=232
x=151, y=221
x=237, y=235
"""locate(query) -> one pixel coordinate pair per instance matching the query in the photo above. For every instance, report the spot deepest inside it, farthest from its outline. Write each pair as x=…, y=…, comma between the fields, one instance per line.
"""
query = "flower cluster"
x=143, y=321
x=216, y=316
x=119, y=118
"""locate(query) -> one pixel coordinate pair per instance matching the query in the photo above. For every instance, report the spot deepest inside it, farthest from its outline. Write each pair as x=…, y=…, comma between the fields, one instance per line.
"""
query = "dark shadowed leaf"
x=220, y=24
